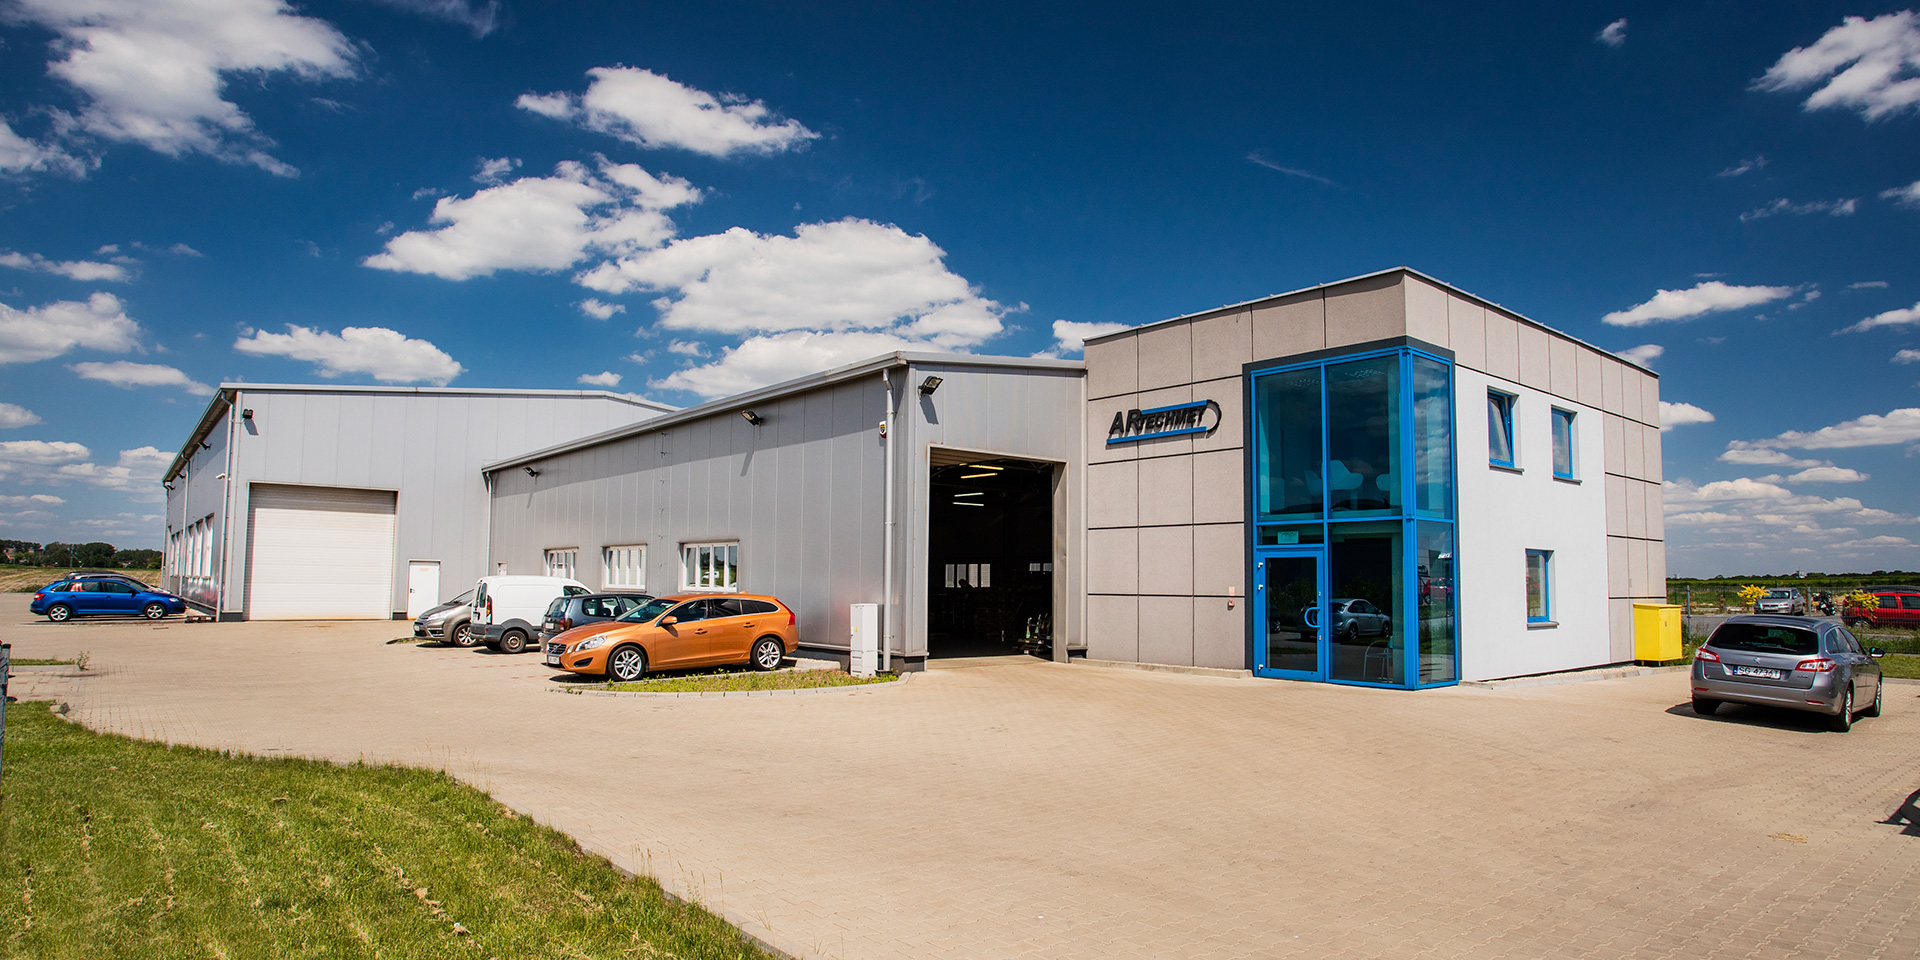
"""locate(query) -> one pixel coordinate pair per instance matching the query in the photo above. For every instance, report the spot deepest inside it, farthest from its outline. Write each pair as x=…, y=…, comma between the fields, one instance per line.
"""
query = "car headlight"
x=591, y=643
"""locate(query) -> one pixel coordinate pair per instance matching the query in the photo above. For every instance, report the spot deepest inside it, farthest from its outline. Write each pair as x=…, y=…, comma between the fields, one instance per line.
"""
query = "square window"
x=1500, y=428
x=710, y=566
x=560, y=563
x=1539, y=586
x=1563, y=443
x=624, y=567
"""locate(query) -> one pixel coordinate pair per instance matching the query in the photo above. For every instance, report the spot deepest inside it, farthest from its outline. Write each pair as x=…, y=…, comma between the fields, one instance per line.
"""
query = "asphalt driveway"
x=1019, y=808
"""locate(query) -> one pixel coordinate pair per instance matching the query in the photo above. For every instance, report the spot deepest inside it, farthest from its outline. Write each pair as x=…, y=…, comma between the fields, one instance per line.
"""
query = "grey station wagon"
x=1796, y=663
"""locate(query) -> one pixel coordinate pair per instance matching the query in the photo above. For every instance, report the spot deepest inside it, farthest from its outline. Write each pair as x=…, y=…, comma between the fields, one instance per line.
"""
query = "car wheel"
x=461, y=636
x=59, y=613
x=1351, y=633
x=1843, y=721
x=155, y=611
x=1705, y=707
x=1855, y=622
x=1879, y=694
x=513, y=641
x=626, y=664
x=767, y=653
x=1386, y=627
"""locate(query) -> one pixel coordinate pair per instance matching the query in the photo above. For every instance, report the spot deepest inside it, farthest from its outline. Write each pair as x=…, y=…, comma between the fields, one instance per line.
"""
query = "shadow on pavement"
x=1907, y=817
x=1796, y=721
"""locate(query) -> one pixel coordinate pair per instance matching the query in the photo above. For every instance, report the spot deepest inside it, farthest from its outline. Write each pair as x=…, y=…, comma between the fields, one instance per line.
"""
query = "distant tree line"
x=28, y=553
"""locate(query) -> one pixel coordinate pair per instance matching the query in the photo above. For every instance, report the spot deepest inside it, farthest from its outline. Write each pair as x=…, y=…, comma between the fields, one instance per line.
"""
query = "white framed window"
x=710, y=566
x=969, y=575
x=560, y=563
x=624, y=567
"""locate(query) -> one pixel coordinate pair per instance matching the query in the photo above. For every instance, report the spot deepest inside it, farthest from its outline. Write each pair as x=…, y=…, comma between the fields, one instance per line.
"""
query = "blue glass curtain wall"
x=1351, y=500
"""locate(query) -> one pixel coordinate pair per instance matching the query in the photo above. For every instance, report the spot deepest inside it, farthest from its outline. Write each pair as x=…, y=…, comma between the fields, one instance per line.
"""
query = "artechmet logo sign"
x=1133, y=426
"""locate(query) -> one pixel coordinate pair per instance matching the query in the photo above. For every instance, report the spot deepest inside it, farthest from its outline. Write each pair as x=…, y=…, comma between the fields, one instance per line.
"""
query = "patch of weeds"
x=747, y=682
x=39, y=662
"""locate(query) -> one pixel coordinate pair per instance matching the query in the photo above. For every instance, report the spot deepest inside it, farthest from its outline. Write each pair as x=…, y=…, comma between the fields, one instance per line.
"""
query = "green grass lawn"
x=735, y=681
x=112, y=847
x=1905, y=667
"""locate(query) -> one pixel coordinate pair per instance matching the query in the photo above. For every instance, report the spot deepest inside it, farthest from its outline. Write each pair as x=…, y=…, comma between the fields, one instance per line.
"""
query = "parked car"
x=505, y=608
x=1787, y=600
x=1899, y=607
x=1358, y=618
x=101, y=596
x=1797, y=663
x=109, y=575
x=565, y=613
x=671, y=633
x=448, y=621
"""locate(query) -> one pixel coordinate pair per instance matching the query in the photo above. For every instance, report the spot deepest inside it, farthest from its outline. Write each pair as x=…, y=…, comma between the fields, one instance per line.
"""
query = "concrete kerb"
x=1166, y=668
x=1572, y=676
x=717, y=694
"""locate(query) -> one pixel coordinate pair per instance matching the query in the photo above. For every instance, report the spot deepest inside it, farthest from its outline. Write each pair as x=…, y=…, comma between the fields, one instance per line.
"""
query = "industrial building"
x=346, y=502
x=1384, y=480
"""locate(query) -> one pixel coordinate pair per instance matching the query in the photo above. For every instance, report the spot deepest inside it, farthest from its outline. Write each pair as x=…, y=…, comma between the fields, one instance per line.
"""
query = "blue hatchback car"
x=90, y=596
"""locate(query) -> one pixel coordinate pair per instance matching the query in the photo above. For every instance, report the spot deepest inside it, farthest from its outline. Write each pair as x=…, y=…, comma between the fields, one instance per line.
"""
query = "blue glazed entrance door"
x=1289, y=611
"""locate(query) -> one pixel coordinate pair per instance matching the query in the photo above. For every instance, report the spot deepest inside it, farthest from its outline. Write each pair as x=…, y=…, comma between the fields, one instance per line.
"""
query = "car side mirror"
x=1876, y=652
x=669, y=621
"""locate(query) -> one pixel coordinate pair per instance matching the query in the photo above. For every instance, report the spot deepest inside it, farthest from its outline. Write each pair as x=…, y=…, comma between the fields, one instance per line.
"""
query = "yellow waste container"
x=1656, y=632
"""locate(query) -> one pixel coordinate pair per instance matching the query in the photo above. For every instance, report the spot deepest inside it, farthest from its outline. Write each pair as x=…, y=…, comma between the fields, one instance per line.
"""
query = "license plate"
x=1764, y=673
x=553, y=659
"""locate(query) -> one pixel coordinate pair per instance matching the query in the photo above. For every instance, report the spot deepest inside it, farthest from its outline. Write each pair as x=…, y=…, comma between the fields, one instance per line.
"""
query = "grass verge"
x=1904, y=667
x=745, y=681
x=29, y=579
x=39, y=662
x=122, y=848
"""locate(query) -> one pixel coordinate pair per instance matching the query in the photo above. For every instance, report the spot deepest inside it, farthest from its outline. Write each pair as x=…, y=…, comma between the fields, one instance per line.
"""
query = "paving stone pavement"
x=1017, y=808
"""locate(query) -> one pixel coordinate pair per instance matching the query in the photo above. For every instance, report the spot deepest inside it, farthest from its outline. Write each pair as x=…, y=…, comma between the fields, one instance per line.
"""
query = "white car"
x=507, y=610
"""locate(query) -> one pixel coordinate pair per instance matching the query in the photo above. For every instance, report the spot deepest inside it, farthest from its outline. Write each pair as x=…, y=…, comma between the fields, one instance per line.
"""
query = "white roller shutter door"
x=319, y=553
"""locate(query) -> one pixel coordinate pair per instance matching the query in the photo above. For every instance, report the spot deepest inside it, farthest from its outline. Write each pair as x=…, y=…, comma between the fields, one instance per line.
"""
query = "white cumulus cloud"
x=141, y=466
x=1907, y=196
x=386, y=355
x=1750, y=164
x=1680, y=414
x=154, y=72
x=599, y=311
x=13, y=416
x=82, y=270
x=20, y=154
x=541, y=223
x=1643, y=354
x=1904, y=316
x=687, y=348
x=1872, y=430
x=1827, y=475
x=762, y=360
x=1613, y=34
x=609, y=379
x=1070, y=336
x=44, y=332
x=1906, y=356
x=649, y=110
x=480, y=16
x=126, y=375
x=32, y=500
x=845, y=275
x=1865, y=65
x=41, y=453
x=1711, y=296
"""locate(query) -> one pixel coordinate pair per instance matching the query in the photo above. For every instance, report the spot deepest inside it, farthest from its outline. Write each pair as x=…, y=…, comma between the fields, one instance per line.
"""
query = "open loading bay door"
x=990, y=556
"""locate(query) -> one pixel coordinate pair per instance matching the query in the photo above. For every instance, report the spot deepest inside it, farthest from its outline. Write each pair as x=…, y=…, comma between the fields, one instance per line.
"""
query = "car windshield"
x=1779, y=594
x=463, y=599
x=650, y=610
x=1764, y=638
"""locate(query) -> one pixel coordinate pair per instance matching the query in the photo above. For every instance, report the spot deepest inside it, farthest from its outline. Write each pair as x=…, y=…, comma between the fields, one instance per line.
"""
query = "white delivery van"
x=508, y=609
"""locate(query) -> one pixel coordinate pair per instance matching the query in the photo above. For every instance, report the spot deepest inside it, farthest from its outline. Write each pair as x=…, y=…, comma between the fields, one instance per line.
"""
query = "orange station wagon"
x=677, y=632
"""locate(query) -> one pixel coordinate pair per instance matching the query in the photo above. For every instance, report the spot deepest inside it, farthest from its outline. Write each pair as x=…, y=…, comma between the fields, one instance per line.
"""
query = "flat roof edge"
x=812, y=381
x=628, y=398
x=1436, y=281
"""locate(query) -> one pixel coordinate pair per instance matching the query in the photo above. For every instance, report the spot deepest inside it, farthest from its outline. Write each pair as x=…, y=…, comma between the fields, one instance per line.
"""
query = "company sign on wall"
x=1133, y=426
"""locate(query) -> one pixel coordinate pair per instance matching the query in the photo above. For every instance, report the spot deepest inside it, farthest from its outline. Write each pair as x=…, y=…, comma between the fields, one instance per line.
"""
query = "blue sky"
x=701, y=199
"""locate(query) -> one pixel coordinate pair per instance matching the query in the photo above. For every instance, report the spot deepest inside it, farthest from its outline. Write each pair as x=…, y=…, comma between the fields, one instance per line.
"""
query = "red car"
x=1899, y=607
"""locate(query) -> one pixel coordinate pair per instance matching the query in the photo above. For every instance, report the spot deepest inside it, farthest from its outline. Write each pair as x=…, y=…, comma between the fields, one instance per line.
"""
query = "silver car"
x=447, y=622
x=1795, y=663
x=1787, y=600
x=1358, y=618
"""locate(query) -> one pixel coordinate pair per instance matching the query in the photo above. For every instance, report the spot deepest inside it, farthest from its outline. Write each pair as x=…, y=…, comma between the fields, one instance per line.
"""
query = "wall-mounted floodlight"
x=531, y=472
x=752, y=417
x=169, y=486
x=246, y=414
x=930, y=384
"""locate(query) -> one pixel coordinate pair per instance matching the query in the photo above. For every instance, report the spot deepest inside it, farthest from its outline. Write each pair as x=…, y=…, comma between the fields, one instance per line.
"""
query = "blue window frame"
x=1500, y=428
x=1352, y=462
x=1563, y=443
x=1539, y=586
